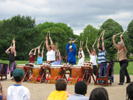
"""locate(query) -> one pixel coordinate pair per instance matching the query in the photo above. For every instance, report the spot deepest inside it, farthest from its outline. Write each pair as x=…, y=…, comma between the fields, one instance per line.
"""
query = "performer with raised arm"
x=101, y=57
x=72, y=51
x=12, y=54
x=40, y=56
x=32, y=56
x=121, y=56
x=51, y=50
x=58, y=57
x=93, y=58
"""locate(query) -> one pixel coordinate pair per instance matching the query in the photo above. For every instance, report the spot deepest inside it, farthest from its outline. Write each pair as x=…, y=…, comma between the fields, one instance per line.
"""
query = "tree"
x=130, y=35
x=91, y=33
x=111, y=27
x=25, y=34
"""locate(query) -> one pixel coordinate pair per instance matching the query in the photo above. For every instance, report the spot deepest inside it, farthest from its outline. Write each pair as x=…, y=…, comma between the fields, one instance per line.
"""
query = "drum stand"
x=103, y=78
x=85, y=72
x=45, y=68
x=27, y=72
x=64, y=69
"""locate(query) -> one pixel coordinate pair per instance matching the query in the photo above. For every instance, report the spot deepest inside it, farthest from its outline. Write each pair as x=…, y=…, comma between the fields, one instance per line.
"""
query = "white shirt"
x=81, y=61
x=77, y=97
x=18, y=92
x=82, y=54
x=93, y=59
x=51, y=55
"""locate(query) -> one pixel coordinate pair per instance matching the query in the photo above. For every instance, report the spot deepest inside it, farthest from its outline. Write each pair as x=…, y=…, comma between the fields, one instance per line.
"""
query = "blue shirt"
x=101, y=56
x=39, y=60
x=1, y=97
x=77, y=97
x=71, y=55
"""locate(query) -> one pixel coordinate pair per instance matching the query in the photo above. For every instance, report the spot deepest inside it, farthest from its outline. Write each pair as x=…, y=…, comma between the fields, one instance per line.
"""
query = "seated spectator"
x=17, y=91
x=99, y=94
x=129, y=91
x=60, y=92
x=80, y=91
x=3, y=95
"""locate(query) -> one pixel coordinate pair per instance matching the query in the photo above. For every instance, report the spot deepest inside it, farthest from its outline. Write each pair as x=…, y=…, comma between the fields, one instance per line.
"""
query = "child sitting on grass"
x=60, y=92
x=17, y=91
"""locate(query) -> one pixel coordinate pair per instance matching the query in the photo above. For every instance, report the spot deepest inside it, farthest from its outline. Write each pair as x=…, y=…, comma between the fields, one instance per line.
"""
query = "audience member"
x=17, y=91
x=80, y=91
x=129, y=91
x=99, y=94
x=60, y=92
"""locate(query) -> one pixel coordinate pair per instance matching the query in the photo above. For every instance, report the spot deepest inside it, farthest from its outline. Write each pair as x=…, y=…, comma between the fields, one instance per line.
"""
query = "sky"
x=75, y=13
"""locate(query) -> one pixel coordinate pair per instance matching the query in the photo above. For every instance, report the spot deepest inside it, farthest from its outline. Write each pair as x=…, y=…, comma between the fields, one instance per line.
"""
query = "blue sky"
x=75, y=13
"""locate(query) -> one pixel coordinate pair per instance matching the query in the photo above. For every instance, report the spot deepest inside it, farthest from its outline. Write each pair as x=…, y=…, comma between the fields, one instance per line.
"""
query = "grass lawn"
x=116, y=67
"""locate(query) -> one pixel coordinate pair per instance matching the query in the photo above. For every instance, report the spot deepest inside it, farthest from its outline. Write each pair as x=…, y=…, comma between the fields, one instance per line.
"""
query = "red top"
x=32, y=59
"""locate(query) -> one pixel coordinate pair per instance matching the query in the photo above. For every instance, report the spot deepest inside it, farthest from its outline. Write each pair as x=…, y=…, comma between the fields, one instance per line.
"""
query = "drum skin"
x=21, y=68
x=37, y=72
x=75, y=72
x=55, y=72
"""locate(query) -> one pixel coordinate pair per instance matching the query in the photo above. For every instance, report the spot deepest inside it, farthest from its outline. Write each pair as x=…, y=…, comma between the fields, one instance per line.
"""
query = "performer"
x=58, y=57
x=121, y=56
x=81, y=59
x=40, y=56
x=93, y=58
x=12, y=54
x=51, y=50
x=72, y=51
x=32, y=56
x=81, y=51
x=101, y=57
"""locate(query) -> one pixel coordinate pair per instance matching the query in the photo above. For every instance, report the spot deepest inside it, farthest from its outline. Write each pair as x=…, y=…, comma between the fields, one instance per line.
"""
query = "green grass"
x=116, y=67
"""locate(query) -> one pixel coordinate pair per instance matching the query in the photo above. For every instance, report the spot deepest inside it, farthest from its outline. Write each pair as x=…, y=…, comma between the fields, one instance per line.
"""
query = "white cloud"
x=75, y=13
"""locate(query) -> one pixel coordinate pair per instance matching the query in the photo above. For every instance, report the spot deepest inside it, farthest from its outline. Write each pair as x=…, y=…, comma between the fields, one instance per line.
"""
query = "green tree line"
x=28, y=35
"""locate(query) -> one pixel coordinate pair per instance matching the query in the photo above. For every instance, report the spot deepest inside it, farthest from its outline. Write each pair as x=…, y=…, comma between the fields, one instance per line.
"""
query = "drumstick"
x=118, y=33
x=49, y=33
x=56, y=45
x=40, y=44
x=123, y=32
x=86, y=40
x=103, y=33
x=95, y=41
x=82, y=43
x=75, y=39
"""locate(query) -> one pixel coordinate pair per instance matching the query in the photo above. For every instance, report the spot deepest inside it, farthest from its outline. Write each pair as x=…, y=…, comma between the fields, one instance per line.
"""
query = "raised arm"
x=114, y=43
x=123, y=43
x=13, y=41
x=38, y=49
x=67, y=47
x=59, y=55
x=94, y=49
x=42, y=50
x=31, y=51
x=98, y=43
x=52, y=44
x=88, y=49
x=35, y=51
x=103, y=43
x=47, y=46
x=74, y=48
x=15, y=53
x=7, y=51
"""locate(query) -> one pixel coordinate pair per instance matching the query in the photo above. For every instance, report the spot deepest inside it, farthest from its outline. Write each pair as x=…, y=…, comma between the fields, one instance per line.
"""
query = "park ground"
x=41, y=91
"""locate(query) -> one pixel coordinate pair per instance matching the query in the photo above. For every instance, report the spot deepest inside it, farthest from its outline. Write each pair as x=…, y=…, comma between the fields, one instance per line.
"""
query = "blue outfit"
x=71, y=55
x=1, y=97
x=39, y=60
x=102, y=62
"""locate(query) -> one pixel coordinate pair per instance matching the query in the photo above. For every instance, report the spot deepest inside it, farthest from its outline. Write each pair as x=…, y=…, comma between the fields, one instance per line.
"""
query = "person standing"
x=51, y=50
x=72, y=51
x=12, y=54
x=121, y=56
x=93, y=58
x=32, y=56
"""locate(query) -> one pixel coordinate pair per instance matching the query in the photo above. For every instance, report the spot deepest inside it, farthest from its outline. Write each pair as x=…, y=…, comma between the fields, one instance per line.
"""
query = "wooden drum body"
x=37, y=72
x=55, y=72
x=77, y=72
